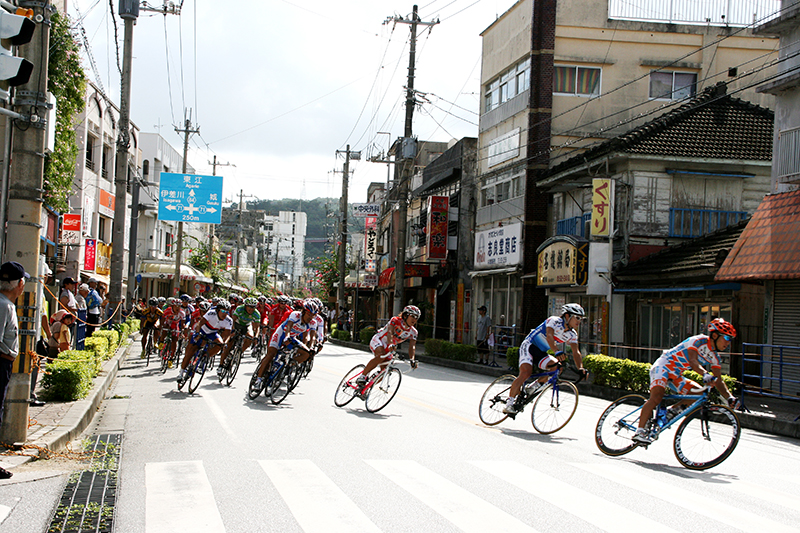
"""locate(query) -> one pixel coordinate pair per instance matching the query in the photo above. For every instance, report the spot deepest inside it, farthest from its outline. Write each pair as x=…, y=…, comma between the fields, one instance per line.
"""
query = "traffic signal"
x=14, y=31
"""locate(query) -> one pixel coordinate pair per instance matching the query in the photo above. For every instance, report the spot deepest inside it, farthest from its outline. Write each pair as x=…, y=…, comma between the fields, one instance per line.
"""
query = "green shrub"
x=99, y=345
x=449, y=350
x=69, y=378
x=86, y=357
x=366, y=334
x=112, y=336
x=434, y=347
x=512, y=357
x=342, y=335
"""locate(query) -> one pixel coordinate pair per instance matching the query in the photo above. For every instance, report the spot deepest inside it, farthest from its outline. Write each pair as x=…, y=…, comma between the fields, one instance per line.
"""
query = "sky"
x=276, y=87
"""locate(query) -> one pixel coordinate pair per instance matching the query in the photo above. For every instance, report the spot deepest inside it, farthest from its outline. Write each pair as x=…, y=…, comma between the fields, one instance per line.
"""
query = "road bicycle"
x=233, y=360
x=149, y=346
x=380, y=387
x=554, y=401
x=277, y=383
x=707, y=433
x=260, y=345
x=167, y=354
x=200, y=363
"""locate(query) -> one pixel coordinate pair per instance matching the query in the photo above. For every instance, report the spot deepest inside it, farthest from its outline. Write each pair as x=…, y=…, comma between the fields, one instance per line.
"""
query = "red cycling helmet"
x=722, y=326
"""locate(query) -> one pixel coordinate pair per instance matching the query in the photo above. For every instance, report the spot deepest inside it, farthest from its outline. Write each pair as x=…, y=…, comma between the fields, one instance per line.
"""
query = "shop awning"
x=493, y=272
x=162, y=270
x=106, y=280
x=386, y=279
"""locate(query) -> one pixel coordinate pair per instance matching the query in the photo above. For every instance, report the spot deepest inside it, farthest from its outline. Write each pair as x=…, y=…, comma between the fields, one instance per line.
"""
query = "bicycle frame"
x=661, y=425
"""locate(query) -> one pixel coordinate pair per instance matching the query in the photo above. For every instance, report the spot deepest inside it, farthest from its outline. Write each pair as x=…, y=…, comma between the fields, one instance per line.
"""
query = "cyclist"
x=540, y=348
x=150, y=317
x=296, y=326
x=399, y=328
x=276, y=314
x=698, y=353
x=234, y=299
x=173, y=319
x=244, y=318
x=214, y=327
x=162, y=303
x=263, y=311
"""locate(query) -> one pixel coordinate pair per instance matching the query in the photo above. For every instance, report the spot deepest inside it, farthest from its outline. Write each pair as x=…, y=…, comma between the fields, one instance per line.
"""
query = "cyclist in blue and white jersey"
x=297, y=325
x=214, y=327
x=540, y=349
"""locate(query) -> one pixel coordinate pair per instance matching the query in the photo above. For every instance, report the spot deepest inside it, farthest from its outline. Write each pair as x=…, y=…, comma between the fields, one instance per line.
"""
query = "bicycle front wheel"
x=280, y=386
x=166, y=356
x=198, y=372
x=383, y=390
x=494, y=400
x=252, y=391
x=554, y=407
x=347, y=388
x=294, y=374
x=707, y=437
x=618, y=424
x=233, y=368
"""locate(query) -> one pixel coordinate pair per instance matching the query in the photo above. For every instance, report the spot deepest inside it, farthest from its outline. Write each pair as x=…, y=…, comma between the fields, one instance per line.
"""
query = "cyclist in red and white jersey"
x=276, y=313
x=399, y=328
x=214, y=327
x=174, y=320
x=698, y=353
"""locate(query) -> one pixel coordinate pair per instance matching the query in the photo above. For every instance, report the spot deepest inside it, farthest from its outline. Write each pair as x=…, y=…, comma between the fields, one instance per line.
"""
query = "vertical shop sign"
x=601, y=207
x=438, y=208
x=90, y=255
x=370, y=244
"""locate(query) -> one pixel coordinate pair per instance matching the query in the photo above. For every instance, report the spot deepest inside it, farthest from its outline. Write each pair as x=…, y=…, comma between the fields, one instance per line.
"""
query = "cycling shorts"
x=378, y=341
x=148, y=326
x=199, y=337
x=660, y=376
x=529, y=352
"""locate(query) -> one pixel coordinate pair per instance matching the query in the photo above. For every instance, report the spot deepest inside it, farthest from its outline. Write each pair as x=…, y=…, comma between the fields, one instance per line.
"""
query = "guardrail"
x=771, y=370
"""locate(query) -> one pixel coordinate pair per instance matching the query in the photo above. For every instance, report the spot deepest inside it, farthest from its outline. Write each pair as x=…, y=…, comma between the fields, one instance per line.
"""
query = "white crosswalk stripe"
x=714, y=509
x=465, y=510
x=186, y=483
x=762, y=492
x=595, y=510
x=315, y=501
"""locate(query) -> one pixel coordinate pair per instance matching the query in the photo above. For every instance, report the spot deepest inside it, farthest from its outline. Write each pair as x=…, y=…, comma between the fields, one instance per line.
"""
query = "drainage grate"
x=87, y=504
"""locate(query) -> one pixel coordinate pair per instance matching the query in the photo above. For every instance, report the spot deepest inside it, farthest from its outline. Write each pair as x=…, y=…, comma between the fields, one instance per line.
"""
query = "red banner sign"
x=71, y=229
x=229, y=260
x=90, y=254
x=438, y=209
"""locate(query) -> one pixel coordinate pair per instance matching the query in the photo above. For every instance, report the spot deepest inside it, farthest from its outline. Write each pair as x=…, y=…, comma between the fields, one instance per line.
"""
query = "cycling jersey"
x=291, y=327
x=196, y=316
x=668, y=369
x=318, y=324
x=151, y=315
x=214, y=323
x=534, y=347
x=172, y=319
x=275, y=315
x=188, y=311
x=242, y=319
x=402, y=332
x=263, y=310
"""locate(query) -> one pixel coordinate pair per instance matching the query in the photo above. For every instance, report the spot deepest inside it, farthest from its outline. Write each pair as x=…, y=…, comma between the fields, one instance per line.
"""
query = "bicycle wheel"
x=308, y=366
x=280, y=385
x=494, y=400
x=252, y=392
x=165, y=358
x=347, y=388
x=294, y=374
x=148, y=348
x=554, y=407
x=233, y=366
x=197, y=374
x=706, y=437
x=383, y=390
x=617, y=425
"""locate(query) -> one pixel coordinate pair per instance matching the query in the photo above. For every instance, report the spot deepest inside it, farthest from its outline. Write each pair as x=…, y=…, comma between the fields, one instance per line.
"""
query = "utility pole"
x=129, y=11
x=239, y=233
x=408, y=157
x=348, y=155
x=211, y=226
x=25, y=181
x=187, y=130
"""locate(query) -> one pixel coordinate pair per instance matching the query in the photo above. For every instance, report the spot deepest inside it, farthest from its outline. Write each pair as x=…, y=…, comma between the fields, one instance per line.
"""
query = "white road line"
x=595, y=510
x=5, y=510
x=698, y=503
x=465, y=510
x=179, y=498
x=221, y=417
x=315, y=501
x=755, y=490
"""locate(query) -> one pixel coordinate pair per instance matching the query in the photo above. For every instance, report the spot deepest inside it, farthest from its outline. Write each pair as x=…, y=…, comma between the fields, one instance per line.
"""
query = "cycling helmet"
x=282, y=299
x=186, y=298
x=223, y=306
x=310, y=306
x=234, y=298
x=574, y=310
x=262, y=298
x=204, y=305
x=722, y=326
x=152, y=301
x=270, y=301
x=251, y=302
x=198, y=299
x=162, y=300
x=173, y=301
x=412, y=310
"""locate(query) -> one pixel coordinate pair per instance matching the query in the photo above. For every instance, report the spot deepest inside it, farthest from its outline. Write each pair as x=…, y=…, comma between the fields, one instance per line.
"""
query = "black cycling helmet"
x=152, y=301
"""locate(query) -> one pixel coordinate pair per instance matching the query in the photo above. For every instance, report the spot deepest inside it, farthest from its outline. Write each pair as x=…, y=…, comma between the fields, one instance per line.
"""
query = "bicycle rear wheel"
x=148, y=348
x=706, y=437
x=554, y=407
x=166, y=356
x=233, y=366
x=252, y=391
x=618, y=424
x=198, y=372
x=280, y=385
x=293, y=374
x=347, y=388
x=383, y=390
x=494, y=400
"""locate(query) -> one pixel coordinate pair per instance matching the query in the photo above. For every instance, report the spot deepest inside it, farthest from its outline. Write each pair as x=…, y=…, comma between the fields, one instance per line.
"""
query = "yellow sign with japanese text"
x=601, y=207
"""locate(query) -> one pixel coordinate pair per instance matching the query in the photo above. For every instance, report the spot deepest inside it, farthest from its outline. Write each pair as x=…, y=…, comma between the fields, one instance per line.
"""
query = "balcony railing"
x=696, y=222
x=573, y=225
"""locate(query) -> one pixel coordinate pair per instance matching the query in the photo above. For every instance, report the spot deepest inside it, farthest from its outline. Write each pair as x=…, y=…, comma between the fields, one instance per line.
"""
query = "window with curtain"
x=575, y=80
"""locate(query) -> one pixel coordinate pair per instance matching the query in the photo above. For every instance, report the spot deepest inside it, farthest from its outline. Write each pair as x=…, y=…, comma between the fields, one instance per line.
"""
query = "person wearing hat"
x=93, y=303
x=67, y=296
x=12, y=283
x=60, y=337
x=482, y=335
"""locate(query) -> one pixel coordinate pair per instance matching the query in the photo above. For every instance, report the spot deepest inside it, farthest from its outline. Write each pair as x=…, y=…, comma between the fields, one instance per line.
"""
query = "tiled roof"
x=769, y=248
x=714, y=125
x=692, y=261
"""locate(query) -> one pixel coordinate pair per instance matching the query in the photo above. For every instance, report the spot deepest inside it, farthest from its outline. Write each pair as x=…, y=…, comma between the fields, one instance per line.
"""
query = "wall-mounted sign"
x=190, y=198
x=498, y=247
x=370, y=244
x=89, y=254
x=438, y=208
x=106, y=204
x=562, y=261
x=602, y=208
x=365, y=210
x=103, y=266
x=504, y=147
x=71, y=229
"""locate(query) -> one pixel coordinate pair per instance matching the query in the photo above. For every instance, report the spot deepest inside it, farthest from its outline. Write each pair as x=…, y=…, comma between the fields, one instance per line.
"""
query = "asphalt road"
x=218, y=462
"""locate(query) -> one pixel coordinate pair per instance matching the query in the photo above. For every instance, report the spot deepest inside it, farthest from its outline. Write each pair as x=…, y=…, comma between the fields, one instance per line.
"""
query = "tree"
x=67, y=82
x=326, y=273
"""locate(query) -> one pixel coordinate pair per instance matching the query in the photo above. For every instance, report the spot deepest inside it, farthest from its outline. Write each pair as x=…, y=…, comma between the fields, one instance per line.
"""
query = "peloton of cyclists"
x=214, y=327
x=244, y=318
x=399, y=328
x=173, y=319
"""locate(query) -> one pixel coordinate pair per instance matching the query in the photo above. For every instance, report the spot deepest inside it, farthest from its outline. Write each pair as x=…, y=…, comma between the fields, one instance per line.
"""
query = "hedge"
x=631, y=375
x=449, y=350
x=512, y=357
x=366, y=334
x=99, y=345
x=112, y=335
x=69, y=377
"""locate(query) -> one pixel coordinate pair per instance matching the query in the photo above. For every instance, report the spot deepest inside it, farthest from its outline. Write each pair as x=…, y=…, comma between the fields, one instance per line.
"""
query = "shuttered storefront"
x=786, y=332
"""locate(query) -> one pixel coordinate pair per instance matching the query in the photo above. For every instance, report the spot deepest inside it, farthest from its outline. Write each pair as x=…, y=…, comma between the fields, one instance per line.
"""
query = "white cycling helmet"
x=574, y=310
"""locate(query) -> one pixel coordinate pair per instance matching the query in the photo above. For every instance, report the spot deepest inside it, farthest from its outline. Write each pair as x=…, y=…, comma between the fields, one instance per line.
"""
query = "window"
x=487, y=196
x=492, y=95
x=509, y=84
x=90, y=153
x=581, y=81
x=268, y=226
x=787, y=157
x=108, y=160
x=502, y=191
x=672, y=85
x=101, y=228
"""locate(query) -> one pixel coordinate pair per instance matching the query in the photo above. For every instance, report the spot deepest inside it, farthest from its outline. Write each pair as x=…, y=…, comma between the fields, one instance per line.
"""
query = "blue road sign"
x=190, y=198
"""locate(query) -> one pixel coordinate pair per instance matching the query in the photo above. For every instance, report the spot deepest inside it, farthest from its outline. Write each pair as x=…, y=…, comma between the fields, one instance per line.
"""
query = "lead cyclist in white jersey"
x=540, y=349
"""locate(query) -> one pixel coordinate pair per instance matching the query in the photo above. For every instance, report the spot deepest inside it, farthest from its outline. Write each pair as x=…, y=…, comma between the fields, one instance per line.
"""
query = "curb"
x=81, y=413
x=755, y=421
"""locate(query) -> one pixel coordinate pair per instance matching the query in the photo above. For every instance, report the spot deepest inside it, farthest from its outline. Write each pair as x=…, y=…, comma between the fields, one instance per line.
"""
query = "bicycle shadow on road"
x=175, y=394
x=264, y=404
x=363, y=413
x=533, y=436
x=706, y=476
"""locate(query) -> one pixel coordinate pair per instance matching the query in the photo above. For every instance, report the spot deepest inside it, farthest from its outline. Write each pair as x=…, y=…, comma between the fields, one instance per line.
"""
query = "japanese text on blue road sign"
x=190, y=198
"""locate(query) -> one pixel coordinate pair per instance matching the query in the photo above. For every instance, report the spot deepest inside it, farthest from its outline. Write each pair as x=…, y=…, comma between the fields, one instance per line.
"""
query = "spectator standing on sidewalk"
x=482, y=335
x=12, y=283
x=93, y=302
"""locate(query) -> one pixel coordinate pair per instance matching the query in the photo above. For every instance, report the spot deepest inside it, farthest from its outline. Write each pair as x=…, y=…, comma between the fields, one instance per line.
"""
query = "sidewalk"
x=768, y=415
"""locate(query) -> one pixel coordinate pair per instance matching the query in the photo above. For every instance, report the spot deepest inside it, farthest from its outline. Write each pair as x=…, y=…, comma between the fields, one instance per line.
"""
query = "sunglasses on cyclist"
x=727, y=338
